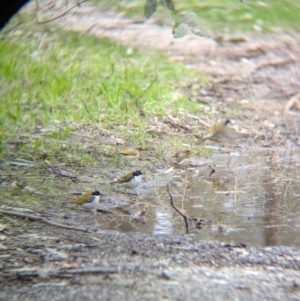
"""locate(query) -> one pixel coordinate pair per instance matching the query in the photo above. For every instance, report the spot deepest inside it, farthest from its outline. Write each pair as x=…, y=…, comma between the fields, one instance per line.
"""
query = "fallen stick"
x=44, y=273
x=184, y=217
x=45, y=221
x=293, y=101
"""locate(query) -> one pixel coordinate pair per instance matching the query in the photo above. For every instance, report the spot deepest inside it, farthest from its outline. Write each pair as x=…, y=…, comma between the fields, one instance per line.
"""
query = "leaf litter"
x=243, y=78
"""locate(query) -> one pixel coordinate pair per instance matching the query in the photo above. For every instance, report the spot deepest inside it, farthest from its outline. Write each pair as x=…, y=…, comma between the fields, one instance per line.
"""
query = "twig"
x=89, y=271
x=65, y=174
x=177, y=124
x=181, y=165
x=12, y=28
x=276, y=63
x=229, y=162
x=87, y=109
x=137, y=99
x=289, y=105
x=184, y=216
x=57, y=17
x=25, y=273
x=45, y=221
x=15, y=163
x=212, y=171
x=155, y=79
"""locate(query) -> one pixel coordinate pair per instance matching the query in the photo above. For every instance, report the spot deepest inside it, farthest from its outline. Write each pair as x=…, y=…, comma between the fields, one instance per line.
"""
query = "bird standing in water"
x=218, y=129
x=88, y=201
x=131, y=180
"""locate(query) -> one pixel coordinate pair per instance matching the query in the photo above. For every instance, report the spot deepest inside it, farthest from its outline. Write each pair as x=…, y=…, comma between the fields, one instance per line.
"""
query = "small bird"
x=218, y=129
x=89, y=200
x=131, y=180
x=130, y=153
x=181, y=155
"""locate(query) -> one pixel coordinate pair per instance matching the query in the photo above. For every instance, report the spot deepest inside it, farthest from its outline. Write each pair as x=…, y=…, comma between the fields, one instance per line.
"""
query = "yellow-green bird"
x=131, y=180
x=130, y=153
x=181, y=155
x=218, y=129
x=89, y=200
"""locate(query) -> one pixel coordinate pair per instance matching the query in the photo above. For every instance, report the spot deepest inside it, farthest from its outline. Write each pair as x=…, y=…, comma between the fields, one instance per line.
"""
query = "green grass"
x=54, y=78
x=226, y=15
x=51, y=79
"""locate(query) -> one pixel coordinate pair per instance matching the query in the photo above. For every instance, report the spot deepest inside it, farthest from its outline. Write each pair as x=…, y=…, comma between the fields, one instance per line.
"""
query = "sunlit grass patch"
x=52, y=77
x=225, y=15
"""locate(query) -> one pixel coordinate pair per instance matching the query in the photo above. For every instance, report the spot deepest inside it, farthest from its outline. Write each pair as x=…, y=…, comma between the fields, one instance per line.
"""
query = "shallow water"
x=253, y=198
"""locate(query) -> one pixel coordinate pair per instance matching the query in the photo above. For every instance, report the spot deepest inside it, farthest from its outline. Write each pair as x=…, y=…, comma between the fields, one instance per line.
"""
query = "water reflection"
x=252, y=199
x=164, y=222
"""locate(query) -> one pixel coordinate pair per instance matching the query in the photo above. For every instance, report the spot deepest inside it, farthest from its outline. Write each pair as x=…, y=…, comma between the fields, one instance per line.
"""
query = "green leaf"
x=150, y=8
x=168, y=4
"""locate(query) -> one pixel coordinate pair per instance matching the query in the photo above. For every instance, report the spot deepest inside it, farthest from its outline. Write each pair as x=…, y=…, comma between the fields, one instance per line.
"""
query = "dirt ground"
x=54, y=265
x=261, y=76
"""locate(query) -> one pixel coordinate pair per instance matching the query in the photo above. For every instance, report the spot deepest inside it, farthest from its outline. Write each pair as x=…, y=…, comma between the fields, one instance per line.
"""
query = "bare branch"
x=87, y=109
x=138, y=98
x=8, y=29
x=155, y=79
x=212, y=171
x=57, y=17
x=184, y=216
x=45, y=221
x=66, y=273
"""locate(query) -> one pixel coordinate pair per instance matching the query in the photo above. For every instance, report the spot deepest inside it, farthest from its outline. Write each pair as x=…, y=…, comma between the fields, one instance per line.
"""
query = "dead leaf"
x=2, y=227
x=30, y=188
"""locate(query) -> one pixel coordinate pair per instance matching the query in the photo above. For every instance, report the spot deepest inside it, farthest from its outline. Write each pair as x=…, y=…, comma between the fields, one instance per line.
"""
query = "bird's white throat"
x=134, y=182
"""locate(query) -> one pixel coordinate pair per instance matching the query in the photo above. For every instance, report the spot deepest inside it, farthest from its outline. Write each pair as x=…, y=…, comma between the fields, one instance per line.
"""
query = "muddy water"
x=252, y=197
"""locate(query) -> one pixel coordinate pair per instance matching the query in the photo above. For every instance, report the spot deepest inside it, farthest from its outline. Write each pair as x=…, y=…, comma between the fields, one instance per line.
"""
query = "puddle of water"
x=254, y=199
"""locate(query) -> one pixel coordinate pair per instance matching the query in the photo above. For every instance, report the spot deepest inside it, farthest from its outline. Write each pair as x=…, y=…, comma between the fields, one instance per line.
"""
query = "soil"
x=260, y=76
x=50, y=265
x=256, y=75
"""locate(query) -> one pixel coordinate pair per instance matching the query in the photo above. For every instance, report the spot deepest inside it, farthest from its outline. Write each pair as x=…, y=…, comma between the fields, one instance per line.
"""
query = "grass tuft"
x=53, y=79
x=225, y=15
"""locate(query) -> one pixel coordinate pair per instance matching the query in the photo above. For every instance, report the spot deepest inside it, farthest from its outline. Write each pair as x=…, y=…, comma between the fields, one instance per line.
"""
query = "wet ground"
x=251, y=198
x=253, y=194
x=135, y=267
x=246, y=192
